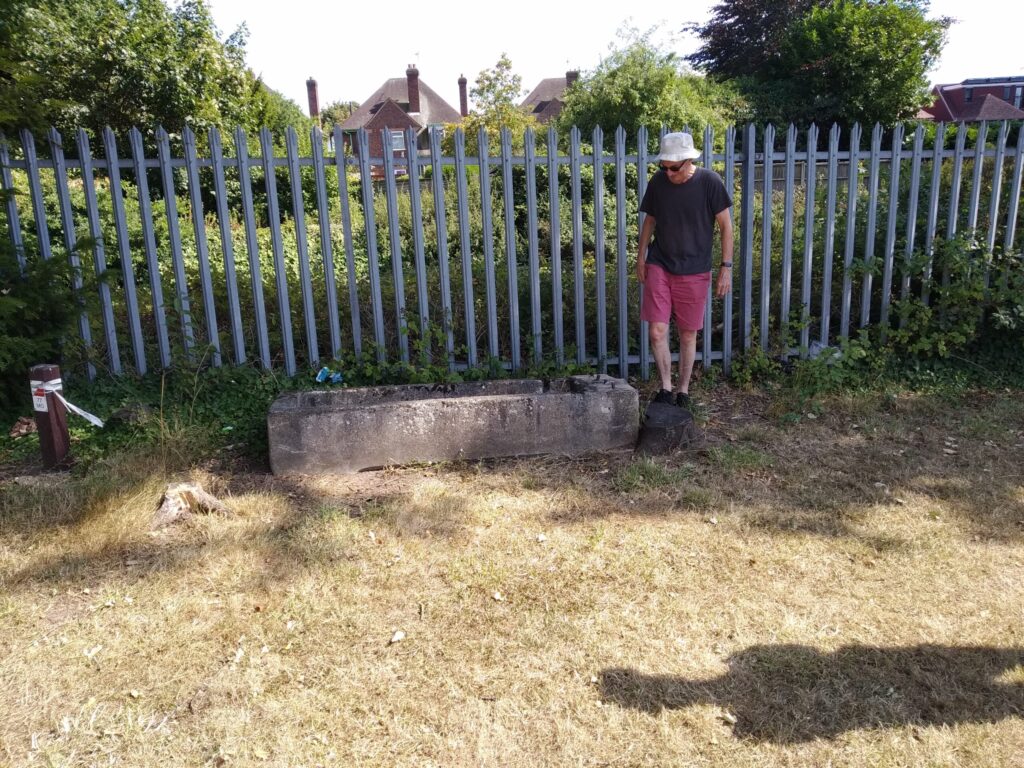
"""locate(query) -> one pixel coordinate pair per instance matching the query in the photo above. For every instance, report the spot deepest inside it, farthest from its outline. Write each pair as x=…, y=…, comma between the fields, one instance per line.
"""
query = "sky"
x=351, y=48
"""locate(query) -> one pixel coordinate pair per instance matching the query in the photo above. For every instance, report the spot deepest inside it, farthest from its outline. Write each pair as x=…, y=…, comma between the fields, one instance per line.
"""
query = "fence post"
x=787, y=239
x=641, y=173
x=747, y=237
x=484, y=168
x=575, y=163
x=35, y=190
x=597, y=160
x=555, y=256
x=67, y=218
x=51, y=417
x=768, y=188
x=7, y=185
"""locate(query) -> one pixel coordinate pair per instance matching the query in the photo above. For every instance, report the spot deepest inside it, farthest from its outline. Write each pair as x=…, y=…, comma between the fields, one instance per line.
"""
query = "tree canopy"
x=336, y=113
x=496, y=94
x=638, y=84
x=125, y=63
x=854, y=61
x=742, y=36
x=824, y=61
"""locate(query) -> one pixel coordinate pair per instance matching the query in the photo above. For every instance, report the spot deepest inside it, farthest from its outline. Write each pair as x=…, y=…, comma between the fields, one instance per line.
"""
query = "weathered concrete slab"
x=347, y=430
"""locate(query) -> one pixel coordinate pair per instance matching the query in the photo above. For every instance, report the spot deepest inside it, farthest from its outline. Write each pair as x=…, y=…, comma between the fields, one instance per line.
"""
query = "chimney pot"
x=412, y=78
x=314, y=101
x=463, y=99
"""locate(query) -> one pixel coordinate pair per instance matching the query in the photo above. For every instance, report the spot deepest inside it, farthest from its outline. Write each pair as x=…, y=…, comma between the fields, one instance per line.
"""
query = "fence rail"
x=491, y=257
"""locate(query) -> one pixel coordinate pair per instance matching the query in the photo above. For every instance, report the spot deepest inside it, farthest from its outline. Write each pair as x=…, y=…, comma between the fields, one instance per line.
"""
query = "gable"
x=390, y=115
x=433, y=109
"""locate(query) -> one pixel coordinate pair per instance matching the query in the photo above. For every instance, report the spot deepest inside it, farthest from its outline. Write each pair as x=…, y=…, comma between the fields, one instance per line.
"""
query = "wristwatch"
x=726, y=265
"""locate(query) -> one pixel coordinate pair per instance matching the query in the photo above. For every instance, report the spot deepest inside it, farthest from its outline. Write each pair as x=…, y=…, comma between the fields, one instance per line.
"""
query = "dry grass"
x=847, y=592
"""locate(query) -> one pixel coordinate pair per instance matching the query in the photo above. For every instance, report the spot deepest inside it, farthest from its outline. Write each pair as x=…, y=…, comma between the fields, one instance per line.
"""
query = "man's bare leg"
x=662, y=355
x=687, y=354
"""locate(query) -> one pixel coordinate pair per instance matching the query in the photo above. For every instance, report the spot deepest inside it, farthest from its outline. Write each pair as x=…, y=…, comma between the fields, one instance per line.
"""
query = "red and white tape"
x=40, y=390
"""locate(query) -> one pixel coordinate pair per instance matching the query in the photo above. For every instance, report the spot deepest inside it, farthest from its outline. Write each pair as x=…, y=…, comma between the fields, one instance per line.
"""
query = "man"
x=682, y=204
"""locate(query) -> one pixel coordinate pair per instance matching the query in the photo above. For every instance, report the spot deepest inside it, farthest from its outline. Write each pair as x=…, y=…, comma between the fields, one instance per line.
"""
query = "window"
x=398, y=141
x=1006, y=93
x=968, y=94
x=1016, y=96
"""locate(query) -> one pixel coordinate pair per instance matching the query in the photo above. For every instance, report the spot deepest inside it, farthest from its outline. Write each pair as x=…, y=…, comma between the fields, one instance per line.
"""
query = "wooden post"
x=51, y=417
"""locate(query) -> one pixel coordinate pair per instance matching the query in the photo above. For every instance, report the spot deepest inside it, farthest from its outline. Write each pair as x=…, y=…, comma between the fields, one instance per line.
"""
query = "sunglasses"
x=673, y=168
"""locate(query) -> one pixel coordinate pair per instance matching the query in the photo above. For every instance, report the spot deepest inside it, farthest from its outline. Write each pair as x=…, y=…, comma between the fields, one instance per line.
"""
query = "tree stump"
x=665, y=428
x=183, y=499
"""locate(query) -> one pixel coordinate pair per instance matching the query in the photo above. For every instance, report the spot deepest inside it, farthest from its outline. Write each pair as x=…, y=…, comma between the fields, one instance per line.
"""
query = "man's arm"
x=645, y=238
x=724, y=283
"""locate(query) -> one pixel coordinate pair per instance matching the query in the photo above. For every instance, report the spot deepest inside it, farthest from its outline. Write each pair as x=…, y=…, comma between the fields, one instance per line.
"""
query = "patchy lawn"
x=843, y=591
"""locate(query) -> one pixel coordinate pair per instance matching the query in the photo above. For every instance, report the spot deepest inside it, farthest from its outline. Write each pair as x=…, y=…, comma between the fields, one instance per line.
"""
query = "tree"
x=742, y=36
x=23, y=96
x=824, y=60
x=640, y=85
x=125, y=63
x=496, y=96
x=266, y=107
x=851, y=61
x=336, y=113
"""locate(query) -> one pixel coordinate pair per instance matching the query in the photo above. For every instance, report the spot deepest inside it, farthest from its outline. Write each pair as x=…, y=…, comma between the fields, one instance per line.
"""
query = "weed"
x=755, y=434
x=737, y=457
x=646, y=474
x=698, y=499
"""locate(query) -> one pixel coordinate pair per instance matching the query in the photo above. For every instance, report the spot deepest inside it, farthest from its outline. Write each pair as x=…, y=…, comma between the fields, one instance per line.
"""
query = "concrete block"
x=347, y=430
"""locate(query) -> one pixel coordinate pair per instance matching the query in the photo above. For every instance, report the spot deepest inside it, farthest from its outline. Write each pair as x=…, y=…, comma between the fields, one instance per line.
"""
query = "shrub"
x=37, y=312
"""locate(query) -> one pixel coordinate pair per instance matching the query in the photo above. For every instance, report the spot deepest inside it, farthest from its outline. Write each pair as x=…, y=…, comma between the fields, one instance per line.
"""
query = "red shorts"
x=684, y=296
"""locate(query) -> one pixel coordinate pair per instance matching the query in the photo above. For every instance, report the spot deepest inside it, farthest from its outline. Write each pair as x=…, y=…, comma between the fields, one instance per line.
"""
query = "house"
x=545, y=102
x=981, y=98
x=402, y=103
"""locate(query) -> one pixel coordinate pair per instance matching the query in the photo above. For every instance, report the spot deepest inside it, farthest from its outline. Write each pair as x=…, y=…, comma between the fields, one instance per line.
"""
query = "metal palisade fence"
x=286, y=253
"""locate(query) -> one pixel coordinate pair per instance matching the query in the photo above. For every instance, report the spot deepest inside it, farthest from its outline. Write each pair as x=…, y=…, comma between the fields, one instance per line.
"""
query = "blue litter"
x=335, y=378
x=321, y=377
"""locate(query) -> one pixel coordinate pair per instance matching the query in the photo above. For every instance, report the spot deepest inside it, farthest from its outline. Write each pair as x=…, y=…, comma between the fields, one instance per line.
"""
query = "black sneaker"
x=663, y=396
x=683, y=400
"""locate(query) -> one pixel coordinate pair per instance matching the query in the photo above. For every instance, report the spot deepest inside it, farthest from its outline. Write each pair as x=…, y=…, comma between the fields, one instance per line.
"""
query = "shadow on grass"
x=293, y=542
x=788, y=694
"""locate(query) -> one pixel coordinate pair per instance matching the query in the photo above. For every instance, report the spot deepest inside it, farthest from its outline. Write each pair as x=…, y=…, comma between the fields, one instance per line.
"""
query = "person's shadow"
x=793, y=693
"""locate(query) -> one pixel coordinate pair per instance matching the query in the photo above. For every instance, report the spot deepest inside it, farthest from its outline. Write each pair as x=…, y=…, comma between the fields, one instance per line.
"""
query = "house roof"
x=391, y=115
x=545, y=101
x=990, y=107
x=951, y=102
x=548, y=89
x=1015, y=79
x=433, y=109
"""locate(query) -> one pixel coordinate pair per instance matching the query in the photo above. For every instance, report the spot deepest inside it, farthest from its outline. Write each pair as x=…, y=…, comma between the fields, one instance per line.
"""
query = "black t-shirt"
x=684, y=220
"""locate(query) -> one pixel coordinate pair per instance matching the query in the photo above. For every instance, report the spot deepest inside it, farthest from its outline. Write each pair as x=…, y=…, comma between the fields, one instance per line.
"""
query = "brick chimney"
x=314, y=101
x=463, y=100
x=571, y=77
x=412, y=77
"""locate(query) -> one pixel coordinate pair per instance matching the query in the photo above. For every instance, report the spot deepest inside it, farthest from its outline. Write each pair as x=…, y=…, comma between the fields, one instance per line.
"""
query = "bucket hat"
x=676, y=147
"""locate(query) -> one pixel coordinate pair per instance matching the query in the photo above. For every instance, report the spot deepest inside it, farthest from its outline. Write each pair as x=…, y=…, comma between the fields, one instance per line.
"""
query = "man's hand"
x=723, y=285
x=641, y=255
